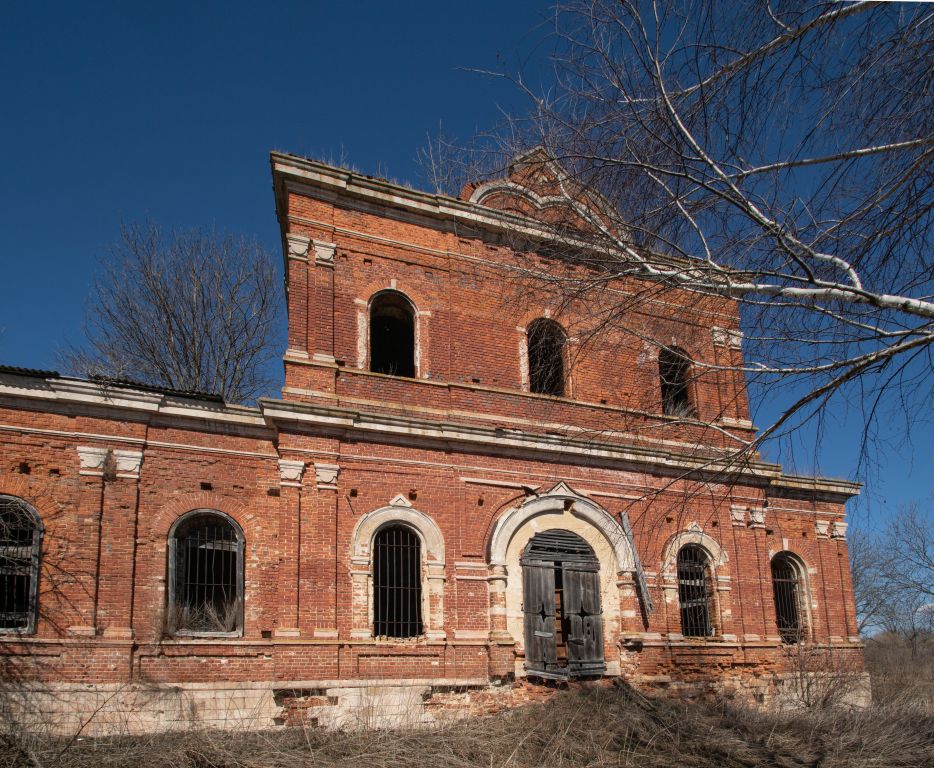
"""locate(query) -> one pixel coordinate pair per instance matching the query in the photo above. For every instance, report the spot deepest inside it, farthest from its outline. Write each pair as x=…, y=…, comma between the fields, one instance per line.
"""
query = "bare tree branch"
x=782, y=156
x=190, y=310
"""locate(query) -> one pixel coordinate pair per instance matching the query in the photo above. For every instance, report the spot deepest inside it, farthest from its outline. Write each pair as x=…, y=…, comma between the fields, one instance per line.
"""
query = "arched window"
x=392, y=335
x=788, y=590
x=546, y=341
x=20, y=540
x=674, y=370
x=397, y=582
x=206, y=575
x=694, y=591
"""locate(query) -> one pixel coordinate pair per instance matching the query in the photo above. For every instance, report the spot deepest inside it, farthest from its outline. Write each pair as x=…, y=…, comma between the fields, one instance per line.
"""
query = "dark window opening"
x=546, y=358
x=787, y=589
x=20, y=536
x=208, y=573
x=397, y=583
x=694, y=591
x=674, y=369
x=392, y=336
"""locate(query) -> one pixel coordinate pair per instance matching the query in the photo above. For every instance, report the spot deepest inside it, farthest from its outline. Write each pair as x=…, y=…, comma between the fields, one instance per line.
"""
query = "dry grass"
x=591, y=728
x=902, y=669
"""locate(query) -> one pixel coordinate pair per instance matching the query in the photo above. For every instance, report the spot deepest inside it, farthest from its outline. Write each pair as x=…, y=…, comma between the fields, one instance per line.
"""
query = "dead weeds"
x=591, y=728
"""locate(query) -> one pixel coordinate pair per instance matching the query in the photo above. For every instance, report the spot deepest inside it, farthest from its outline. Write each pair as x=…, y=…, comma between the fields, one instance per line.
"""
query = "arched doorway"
x=561, y=606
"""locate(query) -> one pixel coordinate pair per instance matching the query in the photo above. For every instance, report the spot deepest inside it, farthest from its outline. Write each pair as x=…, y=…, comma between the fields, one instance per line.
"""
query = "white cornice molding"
x=304, y=176
x=513, y=442
x=128, y=403
x=310, y=175
x=495, y=440
x=273, y=414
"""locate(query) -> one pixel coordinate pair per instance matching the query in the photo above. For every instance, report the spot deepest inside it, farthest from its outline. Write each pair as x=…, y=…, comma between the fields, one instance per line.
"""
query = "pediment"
x=563, y=489
x=535, y=186
x=400, y=501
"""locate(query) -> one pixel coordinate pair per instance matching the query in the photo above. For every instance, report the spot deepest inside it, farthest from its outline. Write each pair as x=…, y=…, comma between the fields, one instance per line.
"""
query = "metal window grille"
x=674, y=370
x=397, y=583
x=392, y=336
x=20, y=536
x=546, y=358
x=694, y=592
x=208, y=575
x=787, y=590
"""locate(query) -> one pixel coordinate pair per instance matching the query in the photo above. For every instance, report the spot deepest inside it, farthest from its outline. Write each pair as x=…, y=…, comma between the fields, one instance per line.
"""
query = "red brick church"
x=459, y=488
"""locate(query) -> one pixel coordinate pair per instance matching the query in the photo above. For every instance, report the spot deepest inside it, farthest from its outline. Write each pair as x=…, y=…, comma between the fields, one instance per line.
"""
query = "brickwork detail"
x=462, y=454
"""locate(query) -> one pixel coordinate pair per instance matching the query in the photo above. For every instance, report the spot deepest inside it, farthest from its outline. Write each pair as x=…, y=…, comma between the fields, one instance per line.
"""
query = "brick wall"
x=463, y=446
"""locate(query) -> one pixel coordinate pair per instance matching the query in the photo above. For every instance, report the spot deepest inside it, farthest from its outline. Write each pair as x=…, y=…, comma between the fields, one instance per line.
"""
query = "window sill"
x=184, y=634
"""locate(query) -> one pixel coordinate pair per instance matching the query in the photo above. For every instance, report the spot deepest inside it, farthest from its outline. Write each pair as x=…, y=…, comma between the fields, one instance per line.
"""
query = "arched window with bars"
x=392, y=335
x=788, y=589
x=20, y=543
x=694, y=592
x=674, y=371
x=546, y=345
x=206, y=575
x=397, y=582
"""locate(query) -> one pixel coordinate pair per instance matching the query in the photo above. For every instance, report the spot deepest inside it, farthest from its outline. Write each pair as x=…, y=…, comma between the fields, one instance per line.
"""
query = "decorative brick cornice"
x=326, y=476
x=291, y=472
x=140, y=405
x=756, y=517
x=128, y=463
x=725, y=337
x=324, y=253
x=91, y=460
x=298, y=247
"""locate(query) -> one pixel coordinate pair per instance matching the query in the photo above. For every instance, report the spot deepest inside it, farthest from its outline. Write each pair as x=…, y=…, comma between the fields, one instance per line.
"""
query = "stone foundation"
x=66, y=710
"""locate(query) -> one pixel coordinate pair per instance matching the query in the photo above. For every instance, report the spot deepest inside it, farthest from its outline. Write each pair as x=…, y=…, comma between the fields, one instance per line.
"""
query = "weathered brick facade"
x=463, y=454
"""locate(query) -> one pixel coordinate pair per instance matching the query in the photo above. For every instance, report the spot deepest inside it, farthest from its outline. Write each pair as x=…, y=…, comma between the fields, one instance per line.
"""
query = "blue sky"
x=117, y=112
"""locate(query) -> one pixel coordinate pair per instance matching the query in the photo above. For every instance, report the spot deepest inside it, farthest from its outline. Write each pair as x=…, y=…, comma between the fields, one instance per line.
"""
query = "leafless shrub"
x=206, y=617
x=823, y=677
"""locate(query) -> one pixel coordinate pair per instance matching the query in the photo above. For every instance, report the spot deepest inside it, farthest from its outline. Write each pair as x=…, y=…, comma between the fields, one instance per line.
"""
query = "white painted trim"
x=555, y=501
x=499, y=441
x=290, y=472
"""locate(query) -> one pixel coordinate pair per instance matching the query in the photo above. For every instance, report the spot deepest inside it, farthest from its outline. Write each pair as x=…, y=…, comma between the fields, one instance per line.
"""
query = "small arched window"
x=546, y=342
x=206, y=575
x=788, y=590
x=392, y=335
x=397, y=582
x=20, y=541
x=674, y=370
x=694, y=591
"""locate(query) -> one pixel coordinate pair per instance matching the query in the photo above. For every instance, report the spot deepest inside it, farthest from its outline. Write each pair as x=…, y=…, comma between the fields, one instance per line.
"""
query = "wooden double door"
x=561, y=605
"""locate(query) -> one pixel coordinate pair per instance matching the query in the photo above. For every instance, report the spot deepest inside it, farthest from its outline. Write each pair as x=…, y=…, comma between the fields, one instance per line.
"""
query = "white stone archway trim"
x=692, y=535
x=721, y=611
x=559, y=499
x=398, y=512
x=807, y=602
x=561, y=508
